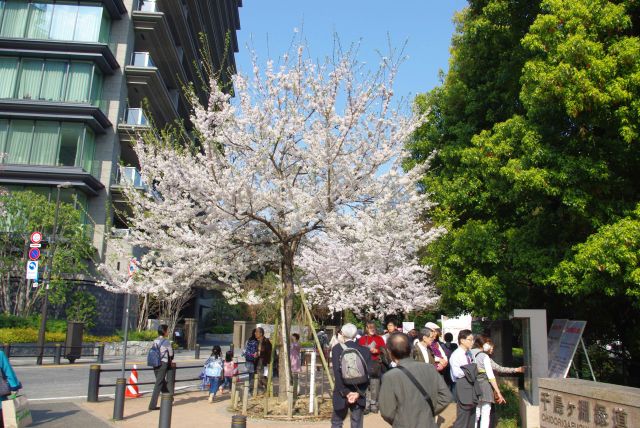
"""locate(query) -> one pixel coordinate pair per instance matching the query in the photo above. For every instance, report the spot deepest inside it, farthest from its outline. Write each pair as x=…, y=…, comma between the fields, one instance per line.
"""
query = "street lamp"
x=52, y=242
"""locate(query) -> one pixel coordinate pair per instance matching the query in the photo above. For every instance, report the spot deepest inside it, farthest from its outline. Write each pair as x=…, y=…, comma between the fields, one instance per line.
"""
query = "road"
x=70, y=382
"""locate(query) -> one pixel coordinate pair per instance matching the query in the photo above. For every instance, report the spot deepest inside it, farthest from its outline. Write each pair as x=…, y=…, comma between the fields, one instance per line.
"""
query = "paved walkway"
x=193, y=410
x=64, y=415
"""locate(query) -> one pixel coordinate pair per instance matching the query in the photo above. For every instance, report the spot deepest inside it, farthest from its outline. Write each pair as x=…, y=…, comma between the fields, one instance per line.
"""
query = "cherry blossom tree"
x=302, y=164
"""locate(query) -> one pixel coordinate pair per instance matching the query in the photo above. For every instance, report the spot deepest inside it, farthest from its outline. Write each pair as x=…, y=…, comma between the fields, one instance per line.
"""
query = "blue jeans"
x=214, y=384
x=227, y=383
x=250, y=366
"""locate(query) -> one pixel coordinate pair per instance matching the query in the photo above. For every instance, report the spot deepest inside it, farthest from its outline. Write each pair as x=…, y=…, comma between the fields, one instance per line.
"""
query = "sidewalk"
x=192, y=410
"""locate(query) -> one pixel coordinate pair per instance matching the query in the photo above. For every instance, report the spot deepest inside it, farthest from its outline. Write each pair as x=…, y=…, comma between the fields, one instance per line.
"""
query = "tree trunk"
x=286, y=313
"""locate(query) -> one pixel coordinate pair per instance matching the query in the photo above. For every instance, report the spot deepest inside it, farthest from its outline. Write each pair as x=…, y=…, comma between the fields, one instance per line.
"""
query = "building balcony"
x=153, y=35
x=91, y=115
x=99, y=53
x=135, y=117
x=30, y=175
x=116, y=8
x=129, y=176
x=145, y=82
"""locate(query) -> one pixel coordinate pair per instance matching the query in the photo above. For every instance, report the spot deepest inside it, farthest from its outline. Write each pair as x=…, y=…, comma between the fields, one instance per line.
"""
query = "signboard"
x=553, y=338
x=36, y=237
x=408, y=326
x=34, y=254
x=560, y=361
x=454, y=325
x=32, y=269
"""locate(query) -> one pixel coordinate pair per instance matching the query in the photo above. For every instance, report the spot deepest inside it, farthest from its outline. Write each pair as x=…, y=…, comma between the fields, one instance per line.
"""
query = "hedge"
x=30, y=335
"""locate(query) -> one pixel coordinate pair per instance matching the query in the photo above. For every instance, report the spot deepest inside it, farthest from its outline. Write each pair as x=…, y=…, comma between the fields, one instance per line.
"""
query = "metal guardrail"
x=59, y=351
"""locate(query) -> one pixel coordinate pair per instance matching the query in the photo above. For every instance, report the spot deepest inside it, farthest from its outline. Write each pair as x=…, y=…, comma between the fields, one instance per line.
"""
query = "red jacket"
x=372, y=342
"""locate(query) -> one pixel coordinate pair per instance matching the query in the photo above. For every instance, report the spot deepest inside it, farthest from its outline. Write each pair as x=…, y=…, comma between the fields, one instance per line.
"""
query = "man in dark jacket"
x=264, y=357
x=348, y=397
x=401, y=402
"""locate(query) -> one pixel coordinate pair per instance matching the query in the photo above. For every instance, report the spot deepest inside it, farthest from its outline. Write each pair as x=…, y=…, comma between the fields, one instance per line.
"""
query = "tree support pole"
x=325, y=365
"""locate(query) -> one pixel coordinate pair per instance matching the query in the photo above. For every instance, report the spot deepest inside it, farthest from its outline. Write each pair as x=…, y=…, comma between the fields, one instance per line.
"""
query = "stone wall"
x=582, y=403
x=134, y=347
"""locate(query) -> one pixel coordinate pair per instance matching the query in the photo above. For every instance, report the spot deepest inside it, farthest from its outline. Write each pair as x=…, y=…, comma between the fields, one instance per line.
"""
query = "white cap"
x=432, y=326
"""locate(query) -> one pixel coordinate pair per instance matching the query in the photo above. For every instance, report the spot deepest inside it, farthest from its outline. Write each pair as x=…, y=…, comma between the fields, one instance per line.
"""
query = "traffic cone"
x=132, y=388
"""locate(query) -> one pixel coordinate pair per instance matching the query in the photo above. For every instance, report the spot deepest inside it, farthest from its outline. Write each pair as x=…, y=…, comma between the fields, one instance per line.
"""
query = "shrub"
x=144, y=335
x=83, y=308
x=221, y=329
x=508, y=414
x=30, y=335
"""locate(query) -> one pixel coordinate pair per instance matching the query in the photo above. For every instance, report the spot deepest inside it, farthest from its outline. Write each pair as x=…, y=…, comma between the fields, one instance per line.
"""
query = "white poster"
x=553, y=338
x=408, y=326
x=559, y=365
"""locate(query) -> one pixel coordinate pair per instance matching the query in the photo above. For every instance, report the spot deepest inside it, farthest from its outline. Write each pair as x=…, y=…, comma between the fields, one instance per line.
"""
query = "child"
x=230, y=370
x=213, y=371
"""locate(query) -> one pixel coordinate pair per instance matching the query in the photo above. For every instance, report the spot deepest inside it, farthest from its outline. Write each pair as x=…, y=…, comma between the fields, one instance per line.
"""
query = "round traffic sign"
x=36, y=237
x=34, y=254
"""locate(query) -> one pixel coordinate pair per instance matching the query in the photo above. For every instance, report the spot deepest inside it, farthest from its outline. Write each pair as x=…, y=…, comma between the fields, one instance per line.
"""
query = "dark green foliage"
x=83, y=308
x=537, y=167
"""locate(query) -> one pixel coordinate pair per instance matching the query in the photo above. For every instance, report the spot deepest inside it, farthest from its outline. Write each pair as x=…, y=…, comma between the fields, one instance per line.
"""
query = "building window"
x=51, y=80
x=54, y=20
x=49, y=143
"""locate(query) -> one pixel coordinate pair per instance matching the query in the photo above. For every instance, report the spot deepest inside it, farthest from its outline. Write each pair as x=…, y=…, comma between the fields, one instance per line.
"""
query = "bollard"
x=166, y=403
x=245, y=398
x=94, y=383
x=197, y=356
x=171, y=378
x=238, y=421
x=101, y=353
x=234, y=381
x=7, y=349
x=118, y=403
x=57, y=354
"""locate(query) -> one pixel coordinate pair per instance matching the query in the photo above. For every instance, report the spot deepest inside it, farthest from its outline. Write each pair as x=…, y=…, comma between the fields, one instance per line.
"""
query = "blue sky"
x=426, y=26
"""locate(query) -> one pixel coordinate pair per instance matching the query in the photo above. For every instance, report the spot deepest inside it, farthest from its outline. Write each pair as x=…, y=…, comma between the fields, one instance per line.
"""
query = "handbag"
x=424, y=393
x=4, y=387
x=15, y=412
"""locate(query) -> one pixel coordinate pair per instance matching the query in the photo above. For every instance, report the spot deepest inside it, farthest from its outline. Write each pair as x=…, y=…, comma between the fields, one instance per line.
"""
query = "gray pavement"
x=64, y=415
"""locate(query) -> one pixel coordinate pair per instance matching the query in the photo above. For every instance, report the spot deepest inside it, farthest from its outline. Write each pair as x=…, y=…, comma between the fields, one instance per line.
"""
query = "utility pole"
x=47, y=274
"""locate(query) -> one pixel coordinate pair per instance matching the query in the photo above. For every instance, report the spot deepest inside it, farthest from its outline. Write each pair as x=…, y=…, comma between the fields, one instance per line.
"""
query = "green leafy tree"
x=25, y=212
x=83, y=308
x=537, y=167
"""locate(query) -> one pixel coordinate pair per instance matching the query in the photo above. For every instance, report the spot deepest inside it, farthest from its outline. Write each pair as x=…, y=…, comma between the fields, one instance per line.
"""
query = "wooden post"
x=234, y=382
x=245, y=399
x=325, y=365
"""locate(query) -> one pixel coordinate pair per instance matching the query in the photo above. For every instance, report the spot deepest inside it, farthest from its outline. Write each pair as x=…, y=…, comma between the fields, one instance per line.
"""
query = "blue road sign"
x=34, y=254
x=32, y=270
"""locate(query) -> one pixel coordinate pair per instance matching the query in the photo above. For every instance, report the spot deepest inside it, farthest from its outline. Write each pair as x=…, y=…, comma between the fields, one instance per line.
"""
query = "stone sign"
x=579, y=403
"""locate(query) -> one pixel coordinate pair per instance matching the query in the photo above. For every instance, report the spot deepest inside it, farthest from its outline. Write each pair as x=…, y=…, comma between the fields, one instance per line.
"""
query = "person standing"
x=10, y=376
x=375, y=343
x=402, y=404
x=448, y=347
x=250, y=354
x=462, y=357
x=347, y=397
x=214, y=367
x=166, y=356
x=439, y=355
x=263, y=357
x=422, y=349
x=392, y=327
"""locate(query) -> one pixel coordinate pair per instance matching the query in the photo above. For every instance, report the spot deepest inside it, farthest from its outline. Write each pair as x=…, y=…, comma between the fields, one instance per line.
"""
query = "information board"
x=553, y=338
x=560, y=361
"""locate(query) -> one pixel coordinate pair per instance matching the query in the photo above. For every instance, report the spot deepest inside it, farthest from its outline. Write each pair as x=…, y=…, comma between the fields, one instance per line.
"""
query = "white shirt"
x=457, y=360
